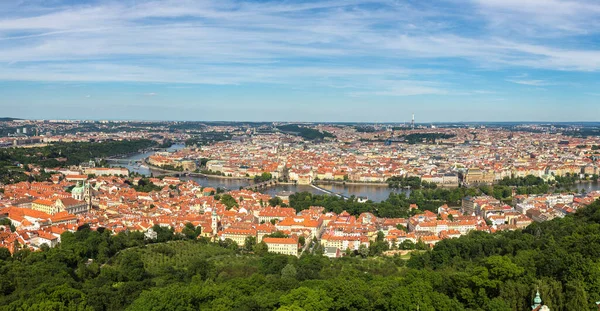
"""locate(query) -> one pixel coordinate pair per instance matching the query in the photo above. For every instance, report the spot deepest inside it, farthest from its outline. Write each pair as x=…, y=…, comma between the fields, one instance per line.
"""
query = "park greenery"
x=166, y=143
x=98, y=270
x=263, y=177
x=365, y=129
x=13, y=174
x=169, y=167
x=145, y=185
x=206, y=138
x=15, y=162
x=228, y=201
x=412, y=182
x=584, y=132
x=210, y=172
x=305, y=132
x=431, y=138
x=428, y=195
x=65, y=154
x=397, y=205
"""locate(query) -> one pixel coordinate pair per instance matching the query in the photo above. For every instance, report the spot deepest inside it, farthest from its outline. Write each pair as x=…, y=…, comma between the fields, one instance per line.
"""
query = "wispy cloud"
x=351, y=43
x=531, y=82
x=404, y=88
x=541, y=18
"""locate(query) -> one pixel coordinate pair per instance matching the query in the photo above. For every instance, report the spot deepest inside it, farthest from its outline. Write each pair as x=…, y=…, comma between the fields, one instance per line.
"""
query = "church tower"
x=87, y=195
x=214, y=220
x=537, y=303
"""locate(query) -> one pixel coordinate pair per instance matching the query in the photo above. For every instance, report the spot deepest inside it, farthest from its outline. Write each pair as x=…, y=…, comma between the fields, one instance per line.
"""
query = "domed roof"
x=537, y=299
x=77, y=189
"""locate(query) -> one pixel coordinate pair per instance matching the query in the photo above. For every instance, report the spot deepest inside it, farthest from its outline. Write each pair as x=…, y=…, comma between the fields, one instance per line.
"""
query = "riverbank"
x=219, y=176
x=376, y=192
x=357, y=183
x=160, y=169
x=192, y=174
x=586, y=181
x=366, y=183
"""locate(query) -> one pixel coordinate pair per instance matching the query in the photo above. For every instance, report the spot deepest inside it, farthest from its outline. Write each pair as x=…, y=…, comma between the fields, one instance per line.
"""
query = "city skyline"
x=340, y=61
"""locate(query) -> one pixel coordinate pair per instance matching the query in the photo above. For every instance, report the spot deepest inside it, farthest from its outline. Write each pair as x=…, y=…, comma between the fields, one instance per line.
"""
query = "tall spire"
x=412, y=124
x=537, y=301
x=214, y=221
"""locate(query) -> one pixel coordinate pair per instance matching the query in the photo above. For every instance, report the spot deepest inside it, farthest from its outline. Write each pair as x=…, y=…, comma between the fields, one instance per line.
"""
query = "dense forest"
x=14, y=161
x=206, y=138
x=365, y=129
x=417, y=138
x=96, y=270
x=305, y=132
x=62, y=154
x=584, y=132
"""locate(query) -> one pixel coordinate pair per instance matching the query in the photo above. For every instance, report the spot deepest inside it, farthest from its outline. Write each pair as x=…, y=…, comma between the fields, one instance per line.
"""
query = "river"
x=375, y=193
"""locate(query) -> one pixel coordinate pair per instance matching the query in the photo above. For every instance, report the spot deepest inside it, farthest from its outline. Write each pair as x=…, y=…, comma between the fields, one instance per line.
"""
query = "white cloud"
x=545, y=18
x=232, y=42
x=405, y=88
x=531, y=82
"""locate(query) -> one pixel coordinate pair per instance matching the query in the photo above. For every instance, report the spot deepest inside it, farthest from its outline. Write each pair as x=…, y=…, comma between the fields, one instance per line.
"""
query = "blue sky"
x=327, y=60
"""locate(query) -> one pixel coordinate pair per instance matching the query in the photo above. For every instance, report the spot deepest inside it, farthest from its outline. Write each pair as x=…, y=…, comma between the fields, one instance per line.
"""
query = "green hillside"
x=479, y=271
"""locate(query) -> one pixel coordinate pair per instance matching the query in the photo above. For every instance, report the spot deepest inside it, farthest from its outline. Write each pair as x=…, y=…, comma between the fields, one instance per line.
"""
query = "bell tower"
x=87, y=195
x=214, y=221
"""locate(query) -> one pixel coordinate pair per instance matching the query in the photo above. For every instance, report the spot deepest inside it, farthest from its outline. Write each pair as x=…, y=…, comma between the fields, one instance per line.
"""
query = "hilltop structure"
x=537, y=303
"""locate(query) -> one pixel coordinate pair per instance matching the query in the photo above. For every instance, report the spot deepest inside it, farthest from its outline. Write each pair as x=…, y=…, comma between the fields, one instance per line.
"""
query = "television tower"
x=412, y=124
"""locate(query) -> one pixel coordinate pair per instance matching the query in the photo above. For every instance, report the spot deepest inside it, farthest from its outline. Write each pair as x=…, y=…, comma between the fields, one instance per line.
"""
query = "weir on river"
x=329, y=192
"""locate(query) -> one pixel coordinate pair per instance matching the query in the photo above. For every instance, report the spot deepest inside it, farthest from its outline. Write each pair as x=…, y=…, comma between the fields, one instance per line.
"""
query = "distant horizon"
x=311, y=122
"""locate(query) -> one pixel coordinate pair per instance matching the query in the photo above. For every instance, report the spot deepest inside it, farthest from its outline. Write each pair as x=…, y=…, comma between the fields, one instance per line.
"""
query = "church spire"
x=214, y=221
x=537, y=303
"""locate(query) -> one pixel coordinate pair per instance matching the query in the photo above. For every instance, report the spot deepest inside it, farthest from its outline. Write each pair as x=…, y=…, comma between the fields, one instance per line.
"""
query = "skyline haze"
x=315, y=61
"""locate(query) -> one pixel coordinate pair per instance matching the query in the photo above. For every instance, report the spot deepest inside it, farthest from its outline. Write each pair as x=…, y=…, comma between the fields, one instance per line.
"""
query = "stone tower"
x=214, y=221
x=87, y=195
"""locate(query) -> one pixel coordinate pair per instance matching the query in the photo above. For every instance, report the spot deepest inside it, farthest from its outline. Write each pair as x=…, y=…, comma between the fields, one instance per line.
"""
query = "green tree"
x=363, y=251
x=260, y=249
x=190, y=232
x=4, y=253
x=229, y=201
x=275, y=201
x=289, y=272
x=302, y=240
x=407, y=245
x=249, y=243
x=304, y=298
x=577, y=296
x=502, y=268
x=131, y=267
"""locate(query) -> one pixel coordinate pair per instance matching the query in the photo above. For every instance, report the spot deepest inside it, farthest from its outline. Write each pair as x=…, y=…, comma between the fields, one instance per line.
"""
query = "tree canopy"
x=98, y=270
